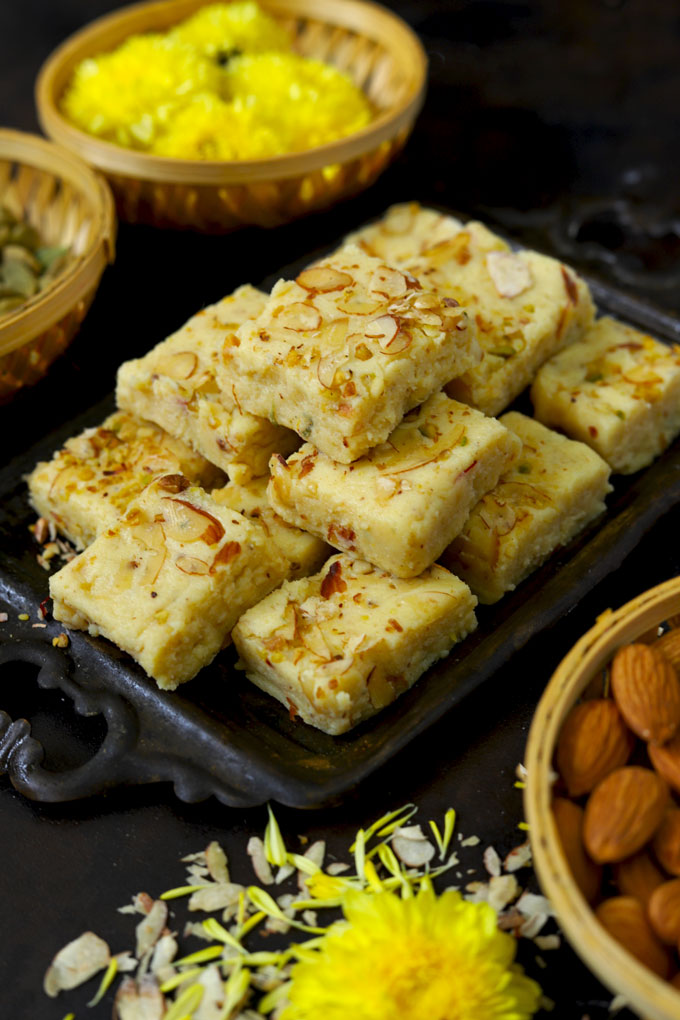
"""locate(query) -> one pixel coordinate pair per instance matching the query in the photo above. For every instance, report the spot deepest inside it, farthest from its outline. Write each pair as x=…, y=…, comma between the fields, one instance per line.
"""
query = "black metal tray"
x=219, y=735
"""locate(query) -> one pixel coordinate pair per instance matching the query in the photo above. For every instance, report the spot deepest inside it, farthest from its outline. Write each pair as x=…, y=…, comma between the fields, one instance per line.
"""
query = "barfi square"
x=174, y=385
x=618, y=390
x=303, y=553
x=337, y=647
x=526, y=307
x=168, y=582
x=344, y=351
x=91, y=481
x=404, y=233
x=555, y=487
x=401, y=504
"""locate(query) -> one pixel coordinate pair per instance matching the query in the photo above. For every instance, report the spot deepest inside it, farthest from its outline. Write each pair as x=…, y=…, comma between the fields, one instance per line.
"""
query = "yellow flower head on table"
x=425, y=957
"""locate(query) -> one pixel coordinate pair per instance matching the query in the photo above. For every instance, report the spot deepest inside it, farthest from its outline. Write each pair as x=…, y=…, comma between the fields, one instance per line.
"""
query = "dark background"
x=559, y=123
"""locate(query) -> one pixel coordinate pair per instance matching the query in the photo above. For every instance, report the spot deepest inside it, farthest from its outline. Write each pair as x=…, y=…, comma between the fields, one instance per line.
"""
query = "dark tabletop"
x=557, y=122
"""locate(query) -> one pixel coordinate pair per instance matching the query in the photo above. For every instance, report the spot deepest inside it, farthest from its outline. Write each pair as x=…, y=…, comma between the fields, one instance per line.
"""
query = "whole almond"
x=638, y=876
x=647, y=691
x=663, y=911
x=666, y=760
x=625, y=919
x=669, y=646
x=623, y=812
x=569, y=822
x=594, y=741
x=666, y=842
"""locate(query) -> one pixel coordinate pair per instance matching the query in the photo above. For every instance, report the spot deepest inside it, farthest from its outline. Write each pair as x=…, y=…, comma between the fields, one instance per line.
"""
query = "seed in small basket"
x=646, y=689
x=666, y=760
x=625, y=919
x=623, y=812
x=663, y=911
x=667, y=842
x=669, y=646
x=638, y=876
x=593, y=742
x=569, y=822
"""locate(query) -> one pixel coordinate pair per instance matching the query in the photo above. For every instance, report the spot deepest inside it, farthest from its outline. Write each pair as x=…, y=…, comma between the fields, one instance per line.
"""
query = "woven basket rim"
x=69, y=287
x=616, y=967
x=115, y=159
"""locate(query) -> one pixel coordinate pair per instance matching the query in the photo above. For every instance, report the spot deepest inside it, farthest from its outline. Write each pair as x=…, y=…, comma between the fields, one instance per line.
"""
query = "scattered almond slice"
x=509, y=272
x=492, y=861
x=519, y=857
x=164, y=953
x=212, y=1002
x=216, y=861
x=149, y=930
x=76, y=963
x=503, y=889
x=411, y=846
x=139, y=1001
x=337, y=868
x=255, y=851
x=215, y=896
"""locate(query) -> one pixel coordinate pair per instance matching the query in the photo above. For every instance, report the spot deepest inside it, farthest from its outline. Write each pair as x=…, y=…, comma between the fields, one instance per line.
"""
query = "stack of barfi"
x=352, y=410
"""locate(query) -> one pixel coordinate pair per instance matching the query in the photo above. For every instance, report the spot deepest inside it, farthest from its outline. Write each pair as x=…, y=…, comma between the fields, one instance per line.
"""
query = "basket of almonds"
x=603, y=799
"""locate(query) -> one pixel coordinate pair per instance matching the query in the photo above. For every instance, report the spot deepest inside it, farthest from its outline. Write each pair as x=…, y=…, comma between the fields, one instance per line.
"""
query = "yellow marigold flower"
x=439, y=958
x=306, y=102
x=220, y=30
x=126, y=95
x=209, y=128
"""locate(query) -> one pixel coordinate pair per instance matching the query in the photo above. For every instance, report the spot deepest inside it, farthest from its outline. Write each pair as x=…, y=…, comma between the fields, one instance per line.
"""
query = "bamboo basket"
x=375, y=47
x=647, y=994
x=69, y=206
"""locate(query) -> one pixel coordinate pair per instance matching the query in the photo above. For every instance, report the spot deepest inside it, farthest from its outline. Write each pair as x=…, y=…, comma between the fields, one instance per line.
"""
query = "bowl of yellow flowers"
x=222, y=115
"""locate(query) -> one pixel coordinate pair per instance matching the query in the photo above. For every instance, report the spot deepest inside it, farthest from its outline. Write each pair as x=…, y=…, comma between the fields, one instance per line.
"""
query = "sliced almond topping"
x=327, y=368
x=192, y=565
x=186, y=522
x=76, y=963
x=510, y=273
x=300, y=317
x=389, y=282
x=324, y=279
x=225, y=555
x=383, y=329
x=181, y=365
x=358, y=304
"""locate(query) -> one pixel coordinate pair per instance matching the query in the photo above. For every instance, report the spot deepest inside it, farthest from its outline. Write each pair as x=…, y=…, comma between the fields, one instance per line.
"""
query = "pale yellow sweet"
x=554, y=489
x=91, y=481
x=168, y=582
x=337, y=647
x=404, y=232
x=526, y=307
x=174, y=385
x=400, y=505
x=303, y=553
x=344, y=351
x=617, y=390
